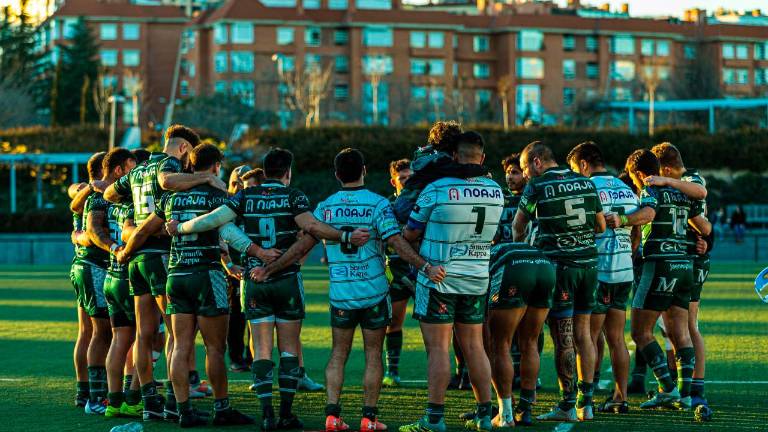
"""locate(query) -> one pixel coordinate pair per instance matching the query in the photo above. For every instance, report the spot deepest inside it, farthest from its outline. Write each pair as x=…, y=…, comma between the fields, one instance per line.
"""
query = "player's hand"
x=99, y=185
x=258, y=274
x=612, y=220
x=268, y=256
x=701, y=246
x=172, y=226
x=73, y=237
x=121, y=256
x=656, y=181
x=216, y=182
x=359, y=236
x=436, y=273
x=235, y=271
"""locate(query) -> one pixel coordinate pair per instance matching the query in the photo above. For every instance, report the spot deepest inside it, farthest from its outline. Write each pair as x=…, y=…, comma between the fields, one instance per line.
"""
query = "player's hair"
x=470, y=145
x=116, y=157
x=277, y=162
x=444, y=135
x=588, y=152
x=183, y=132
x=256, y=173
x=642, y=161
x=237, y=173
x=349, y=165
x=140, y=155
x=205, y=156
x=399, y=165
x=668, y=155
x=94, y=166
x=537, y=149
x=511, y=160
x=624, y=177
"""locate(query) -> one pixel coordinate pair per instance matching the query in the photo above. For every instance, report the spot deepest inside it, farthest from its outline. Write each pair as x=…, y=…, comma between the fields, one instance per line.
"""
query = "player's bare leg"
x=147, y=321
x=528, y=332
x=80, y=355
x=698, y=346
x=373, y=341
x=561, y=330
x=470, y=338
x=122, y=339
x=502, y=326
x=184, y=333
x=341, y=343
x=615, y=320
x=585, y=364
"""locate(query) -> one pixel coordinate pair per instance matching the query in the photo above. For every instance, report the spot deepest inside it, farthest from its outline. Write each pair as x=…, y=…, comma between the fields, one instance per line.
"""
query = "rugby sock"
x=394, y=347
x=170, y=401
x=640, y=369
x=185, y=407
x=484, y=409
x=116, y=399
x=288, y=379
x=148, y=390
x=370, y=412
x=221, y=404
x=262, y=378
x=505, y=409
x=435, y=412
x=567, y=400
x=596, y=377
x=686, y=359
x=586, y=390
x=132, y=397
x=527, y=397
x=127, y=381
x=83, y=389
x=656, y=359
x=97, y=382
x=697, y=387
x=333, y=410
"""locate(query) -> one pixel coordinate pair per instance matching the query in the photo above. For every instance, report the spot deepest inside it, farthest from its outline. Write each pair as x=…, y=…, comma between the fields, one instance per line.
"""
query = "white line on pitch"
x=602, y=382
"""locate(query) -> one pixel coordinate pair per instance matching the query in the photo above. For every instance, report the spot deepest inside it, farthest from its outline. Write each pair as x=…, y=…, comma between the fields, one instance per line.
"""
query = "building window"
x=482, y=97
x=287, y=63
x=312, y=61
x=434, y=67
x=109, y=81
x=689, y=51
x=244, y=90
x=341, y=92
x=761, y=51
x=242, y=61
x=455, y=38
x=528, y=102
x=312, y=36
x=569, y=70
x=761, y=76
x=530, y=68
x=623, y=44
x=418, y=39
x=621, y=94
x=284, y=35
x=131, y=58
x=593, y=70
x=108, y=32
x=418, y=92
x=337, y=4
x=341, y=36
x=736, y=76
x=592, y=44
x=131, y=31
x=481, y=70
x=242, y=33
x=69, y=28
x=481, y=44
x=377, y=36
x=374, y=4
x=646, y=47
x=436, y=40
x=191, y=70
x=220, y=62
x=382, y=103
x=569, y=42
x=311, y=4
x=220, y=34
x=661, y=72
x=220, y=87
x=662, y=48
x=530, y=40
x=569, y=94
x=381, y=65
x=341, y=64
x=729, y=51
x=623, y=70
x=742, y=52
x=108, y=57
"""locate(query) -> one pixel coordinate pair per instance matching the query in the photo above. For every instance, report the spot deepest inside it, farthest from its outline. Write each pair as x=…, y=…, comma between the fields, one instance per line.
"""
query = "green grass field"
x=38, y=328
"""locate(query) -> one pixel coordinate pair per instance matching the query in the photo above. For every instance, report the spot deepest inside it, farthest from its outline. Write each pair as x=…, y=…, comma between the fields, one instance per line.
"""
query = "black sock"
x=333, y=410
x=483, y=409
x=586, y=392
x=640, y=369
x=370, y=412
x=148, y=389
x=170, y=401
x=656, y=359
x=97, y=382
x=83, y=389
x=194, y=377
x=262, y=378
x=116, y=398
x=394, y=348
x=527, y=397
x=132, y=397
x=185, y=407
x=221, y=404
x=435, y=412
x=697, y=387
x=288, y=379
x=686, y=360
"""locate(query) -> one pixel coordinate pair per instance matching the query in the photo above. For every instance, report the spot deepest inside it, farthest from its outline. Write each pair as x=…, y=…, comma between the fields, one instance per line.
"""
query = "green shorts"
x=401, y=287
x=276, y=299
x=664, y=283
x=434, y=307
x=148, y=274
x=700, y=274
x=88, y=281
x=120, y=305
x=574, y=290
x=524, y=282
x=611, y=296
x=199, y=291
x=371, y=318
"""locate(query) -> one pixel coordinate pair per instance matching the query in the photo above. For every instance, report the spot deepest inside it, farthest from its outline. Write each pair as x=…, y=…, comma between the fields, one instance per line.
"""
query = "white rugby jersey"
x=614, y=246
x=357, y=274
x=459, y=218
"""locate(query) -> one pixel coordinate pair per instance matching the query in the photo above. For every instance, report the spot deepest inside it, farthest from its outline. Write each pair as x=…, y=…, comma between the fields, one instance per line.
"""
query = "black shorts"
x=664, y=283
x=370, y=318
x=434, y=307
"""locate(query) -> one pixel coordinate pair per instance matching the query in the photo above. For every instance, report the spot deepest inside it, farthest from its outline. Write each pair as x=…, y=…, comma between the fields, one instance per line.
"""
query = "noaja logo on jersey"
x=474, y=192
x=265, y=204
x=576, y=186
x=608, y=196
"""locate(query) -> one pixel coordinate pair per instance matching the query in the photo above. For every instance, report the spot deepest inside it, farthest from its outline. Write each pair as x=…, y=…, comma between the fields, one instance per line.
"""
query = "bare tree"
x=133, y=87
x=457, y=98
x=376, y=71
x=306, y=89
x=650, y=77
x=101, y=93
x=503, y=86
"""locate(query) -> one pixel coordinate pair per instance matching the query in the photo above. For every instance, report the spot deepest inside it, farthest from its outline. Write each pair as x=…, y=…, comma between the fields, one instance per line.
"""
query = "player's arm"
x=526, y=211
x=520, y=226
x=408, y=254
x=80, y=238
x=636, y=237
x=74, y=188
x=701, y=224
x=240, y=242
x=422, y=210
x=209, y=221
x=600, y=223
x=292, y=255
x=692, y=190
x=78, y=201
x=177, y=182
x=320, y=230
x=640, y=217
x=151, y=225
x=98, y=231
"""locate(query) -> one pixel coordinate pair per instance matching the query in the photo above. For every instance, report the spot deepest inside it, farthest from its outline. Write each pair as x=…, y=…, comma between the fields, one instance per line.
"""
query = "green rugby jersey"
x=197, y=249
x=505, y=254
x=511, y=202
x=142, y=185
x=565, y=205
x=268, y=212
x=77, y=225
x=94, y=255
x=117, y=214
x=693, y=176
x=396, y=265
x=666, y=236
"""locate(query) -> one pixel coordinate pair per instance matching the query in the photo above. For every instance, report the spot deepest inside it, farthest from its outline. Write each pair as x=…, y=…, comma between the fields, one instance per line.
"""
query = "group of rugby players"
x=157, y=237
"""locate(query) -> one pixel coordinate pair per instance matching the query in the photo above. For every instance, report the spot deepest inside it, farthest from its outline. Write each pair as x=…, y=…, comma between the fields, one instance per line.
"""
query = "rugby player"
x=614, y=267
x=147, y=272
x=569, y=214
x=77, y=276
x=273, y=214
x=359, y=290
x=458, y=219
x=196, y=290
x=667, y=277
x=401, y=286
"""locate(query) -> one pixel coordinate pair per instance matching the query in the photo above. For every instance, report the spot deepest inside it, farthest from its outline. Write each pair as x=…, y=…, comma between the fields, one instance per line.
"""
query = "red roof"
x=100, y=8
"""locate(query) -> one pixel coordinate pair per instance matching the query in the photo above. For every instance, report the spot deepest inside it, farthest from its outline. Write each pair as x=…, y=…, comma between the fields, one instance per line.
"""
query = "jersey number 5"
x=576, y=216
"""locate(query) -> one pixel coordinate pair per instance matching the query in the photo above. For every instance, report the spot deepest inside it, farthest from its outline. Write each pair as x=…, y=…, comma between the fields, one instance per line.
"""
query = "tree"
x=101, y=93
x=306, y=88
x=18, y=58
x=503, y=87
x=16, y=106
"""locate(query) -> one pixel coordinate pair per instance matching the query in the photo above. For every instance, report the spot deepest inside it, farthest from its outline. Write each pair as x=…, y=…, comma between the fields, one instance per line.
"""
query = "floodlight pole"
x=113, y=100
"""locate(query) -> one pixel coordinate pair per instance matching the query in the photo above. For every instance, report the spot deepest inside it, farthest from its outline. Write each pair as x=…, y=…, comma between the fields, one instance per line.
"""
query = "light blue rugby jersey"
x=614, y=246
x=459, y=218
x=357, y=275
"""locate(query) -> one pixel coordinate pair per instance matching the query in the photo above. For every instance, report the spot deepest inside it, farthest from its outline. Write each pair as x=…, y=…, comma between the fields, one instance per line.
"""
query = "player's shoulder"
x=693, y=175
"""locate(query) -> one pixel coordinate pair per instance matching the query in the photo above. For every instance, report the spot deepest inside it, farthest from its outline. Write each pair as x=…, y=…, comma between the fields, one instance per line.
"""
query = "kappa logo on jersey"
x=666, y=285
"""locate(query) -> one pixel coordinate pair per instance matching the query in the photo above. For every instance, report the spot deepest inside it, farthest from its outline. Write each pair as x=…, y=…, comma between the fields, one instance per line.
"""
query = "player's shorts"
x=611, y=296
x=664, y=283
x=523, y=284
x=574, y=290
x=371, y=318
x=120, y=304
x=401, y=287
x=700, y=274
x=199, y=291
x=281, y=299
x=88, y=281
x=148, y=274
x=434, y=307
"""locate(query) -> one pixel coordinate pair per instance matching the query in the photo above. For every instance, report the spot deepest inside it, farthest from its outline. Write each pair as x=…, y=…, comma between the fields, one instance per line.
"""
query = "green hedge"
x=71, y=139
x=37, y=221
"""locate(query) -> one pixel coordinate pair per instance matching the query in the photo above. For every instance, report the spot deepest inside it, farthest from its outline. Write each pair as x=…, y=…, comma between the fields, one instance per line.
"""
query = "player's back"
x=666, y=236
x=693, y=176
x=511, y=201
x=117, y=214
x=614, y=246
x=93, y=254
x=357, y=274
x=462, y=222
